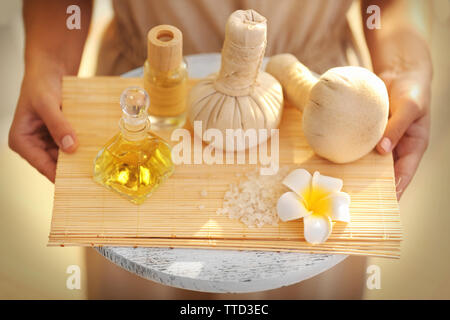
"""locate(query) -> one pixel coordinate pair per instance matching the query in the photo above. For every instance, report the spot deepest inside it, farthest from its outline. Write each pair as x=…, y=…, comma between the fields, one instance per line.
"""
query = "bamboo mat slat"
x=179, y=214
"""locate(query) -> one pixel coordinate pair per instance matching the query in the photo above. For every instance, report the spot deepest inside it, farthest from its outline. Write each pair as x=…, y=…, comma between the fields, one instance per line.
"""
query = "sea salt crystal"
x=253, y=201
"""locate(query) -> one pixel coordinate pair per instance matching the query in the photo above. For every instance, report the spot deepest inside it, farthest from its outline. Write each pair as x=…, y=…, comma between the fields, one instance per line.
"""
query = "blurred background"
x=30, y=270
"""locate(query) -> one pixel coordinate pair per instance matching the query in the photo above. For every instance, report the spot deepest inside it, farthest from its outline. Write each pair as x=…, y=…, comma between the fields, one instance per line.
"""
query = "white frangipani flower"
x=317, y=199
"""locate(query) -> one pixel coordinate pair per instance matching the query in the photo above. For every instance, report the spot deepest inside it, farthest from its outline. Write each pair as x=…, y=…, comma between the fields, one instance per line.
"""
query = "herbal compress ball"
x=345, y=111
x=240, y=96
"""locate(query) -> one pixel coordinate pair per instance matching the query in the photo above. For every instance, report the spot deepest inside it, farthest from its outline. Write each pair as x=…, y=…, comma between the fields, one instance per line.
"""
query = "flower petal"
x=339, y=206
x=317, y=228
x=290, y=207
x=298, y=181
x=326, y=184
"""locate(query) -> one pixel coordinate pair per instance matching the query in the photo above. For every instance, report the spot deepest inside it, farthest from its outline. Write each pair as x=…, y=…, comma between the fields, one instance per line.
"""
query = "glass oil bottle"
x=135, y=162
x=165, y=77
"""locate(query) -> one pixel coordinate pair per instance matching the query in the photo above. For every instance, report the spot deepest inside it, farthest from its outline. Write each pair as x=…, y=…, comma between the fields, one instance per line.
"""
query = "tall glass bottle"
x=165, y=77
x=135, y=162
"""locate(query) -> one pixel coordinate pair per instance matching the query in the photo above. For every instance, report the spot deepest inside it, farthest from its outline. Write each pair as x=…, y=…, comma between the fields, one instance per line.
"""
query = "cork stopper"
x=164, y=47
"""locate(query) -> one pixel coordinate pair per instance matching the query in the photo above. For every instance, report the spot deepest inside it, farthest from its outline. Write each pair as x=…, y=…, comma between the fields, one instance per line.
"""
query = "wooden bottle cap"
x=164, y=47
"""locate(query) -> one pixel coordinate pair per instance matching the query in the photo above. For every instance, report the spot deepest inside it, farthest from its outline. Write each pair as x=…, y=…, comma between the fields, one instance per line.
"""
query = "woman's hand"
x=401, y=57
x=39, y=127
x=408, y=130
x=51, y=51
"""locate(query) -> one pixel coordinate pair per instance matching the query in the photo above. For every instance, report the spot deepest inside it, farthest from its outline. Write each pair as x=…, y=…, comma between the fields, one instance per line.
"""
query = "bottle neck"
x=177, y=72
x=134, y=132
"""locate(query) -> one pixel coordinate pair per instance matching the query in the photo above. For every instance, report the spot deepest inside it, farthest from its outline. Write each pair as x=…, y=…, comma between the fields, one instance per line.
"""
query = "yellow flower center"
x=315, y=201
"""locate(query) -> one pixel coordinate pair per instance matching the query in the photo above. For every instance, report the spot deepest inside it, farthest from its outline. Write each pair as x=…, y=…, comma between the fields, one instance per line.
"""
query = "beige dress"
x=316, y=31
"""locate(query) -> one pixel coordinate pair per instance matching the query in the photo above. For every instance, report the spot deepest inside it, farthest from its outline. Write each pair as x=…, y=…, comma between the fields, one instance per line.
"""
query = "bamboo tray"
x=177, y=215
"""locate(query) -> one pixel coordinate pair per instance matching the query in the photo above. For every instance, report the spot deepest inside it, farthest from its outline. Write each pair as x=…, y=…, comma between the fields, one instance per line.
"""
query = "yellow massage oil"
x=165, y=77
x=135, y=162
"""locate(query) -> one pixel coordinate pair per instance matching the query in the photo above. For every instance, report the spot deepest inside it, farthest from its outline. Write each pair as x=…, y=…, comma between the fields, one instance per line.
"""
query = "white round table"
x=220, y=271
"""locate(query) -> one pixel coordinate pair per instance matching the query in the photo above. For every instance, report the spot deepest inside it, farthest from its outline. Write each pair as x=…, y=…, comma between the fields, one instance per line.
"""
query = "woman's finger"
x=36, y=156
x=404, y=113
x=409, y=152
x=53, y=152
x=58, y=126
x=405, y=167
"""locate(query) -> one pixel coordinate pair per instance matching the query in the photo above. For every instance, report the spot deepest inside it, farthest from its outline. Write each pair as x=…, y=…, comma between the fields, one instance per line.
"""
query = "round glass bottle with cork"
x=165, y=77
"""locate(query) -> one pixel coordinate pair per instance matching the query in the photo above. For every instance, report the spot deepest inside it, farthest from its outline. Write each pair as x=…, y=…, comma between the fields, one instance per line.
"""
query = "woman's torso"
x=315, y=31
